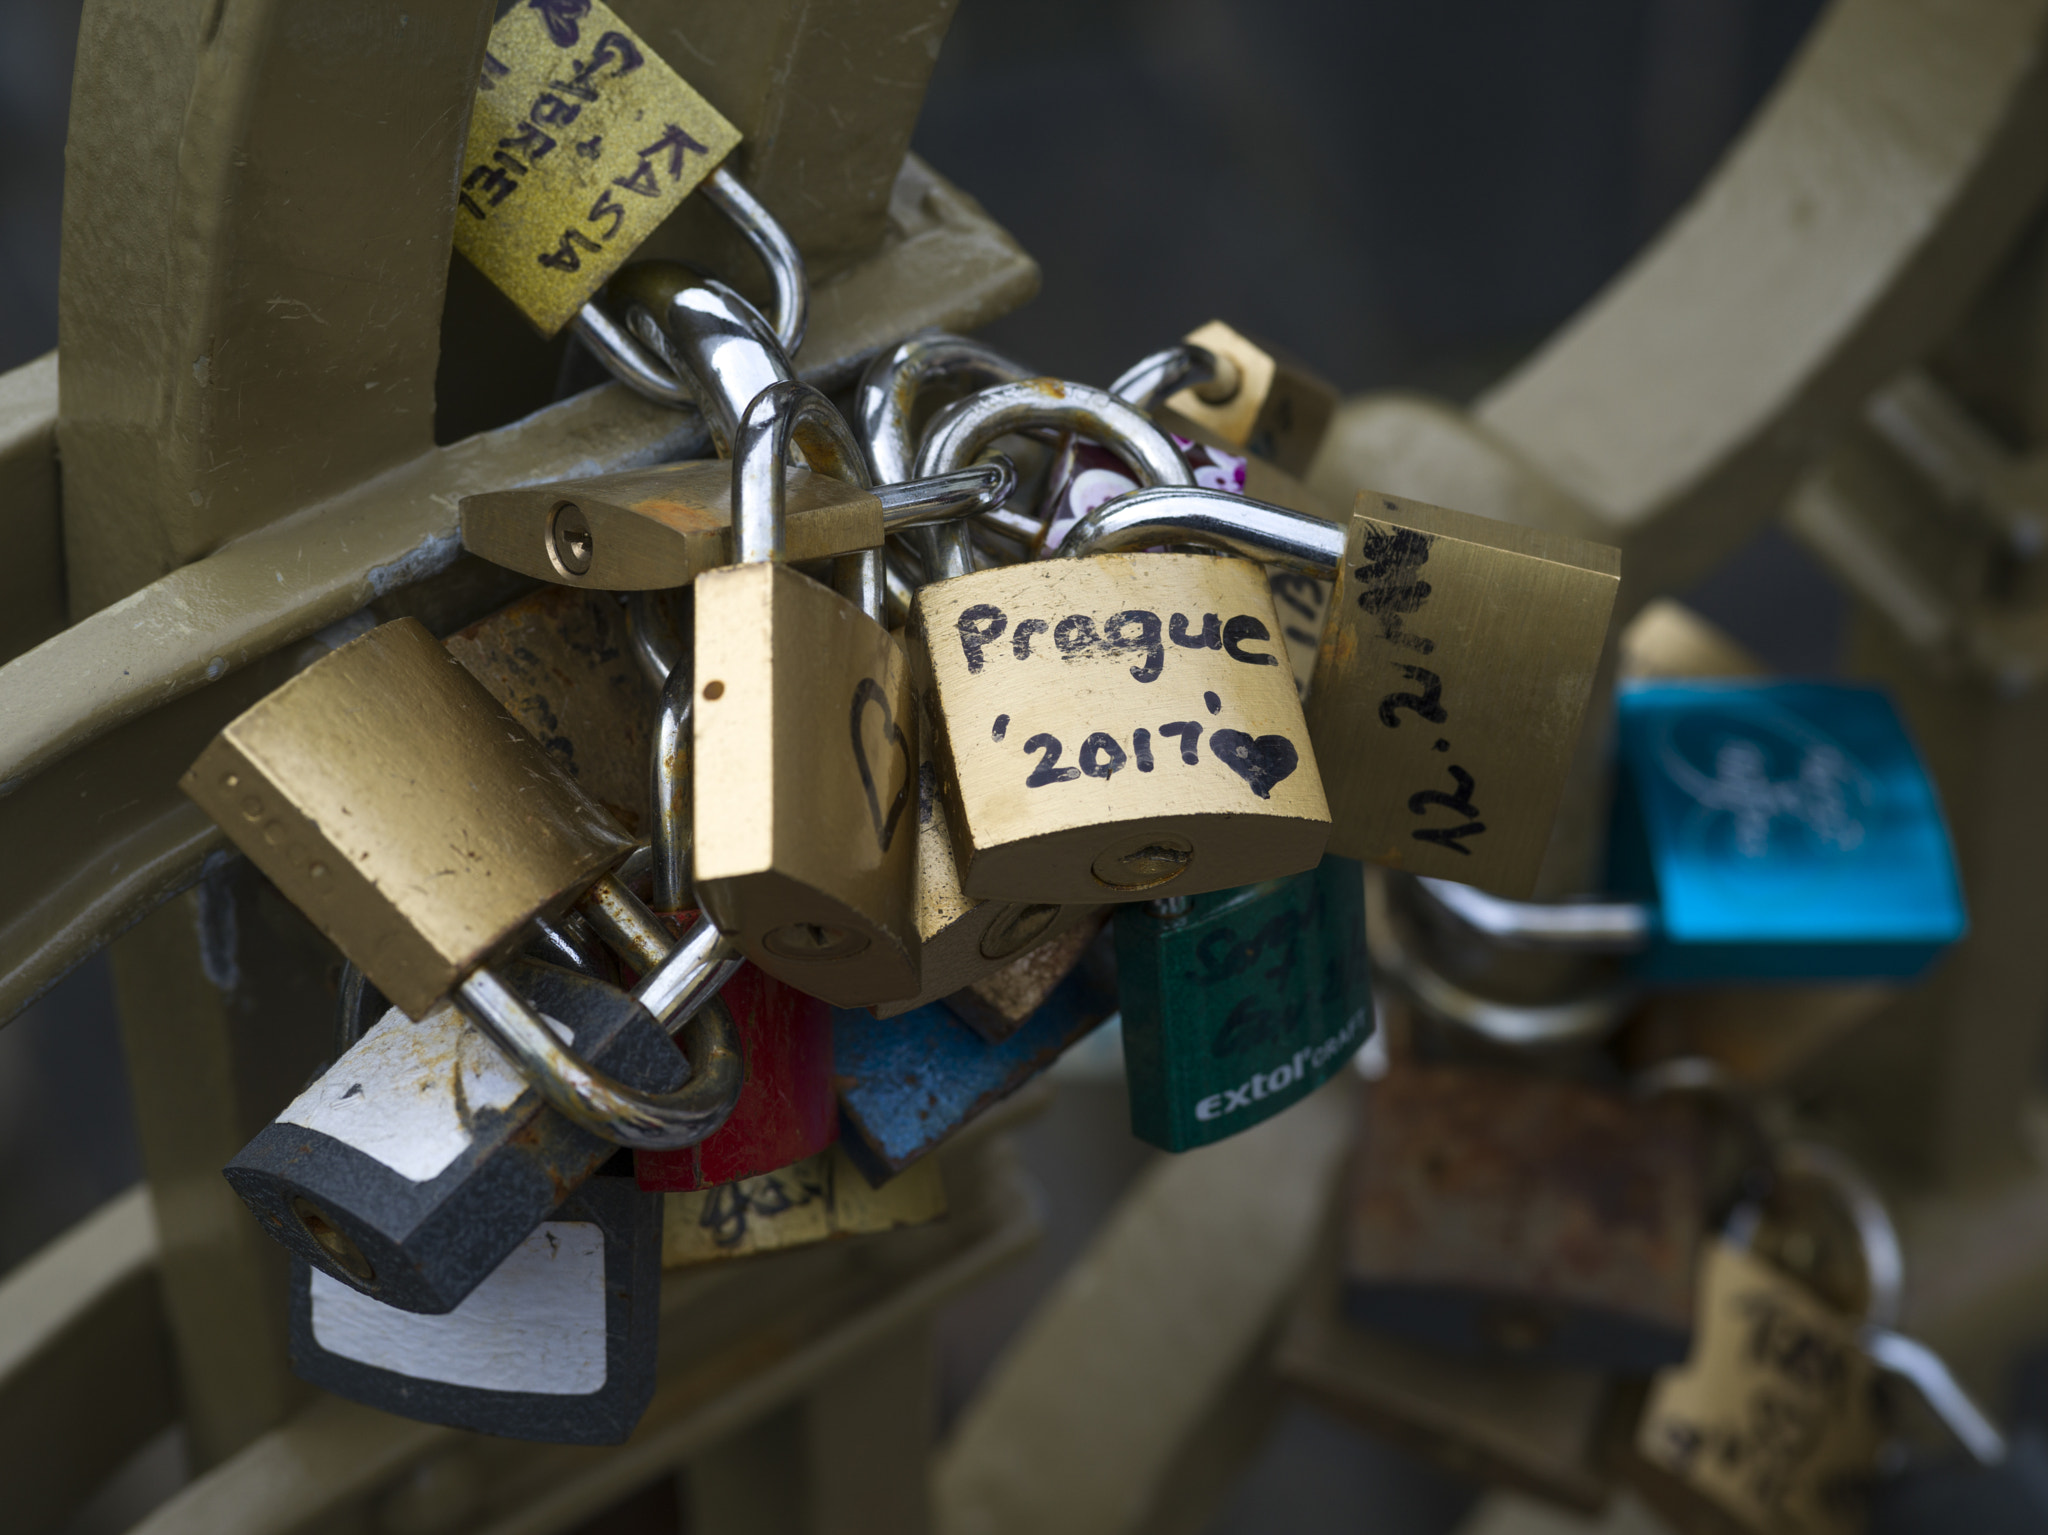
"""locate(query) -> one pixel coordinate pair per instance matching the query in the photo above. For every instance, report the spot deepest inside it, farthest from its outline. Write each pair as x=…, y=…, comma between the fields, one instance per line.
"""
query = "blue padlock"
x=1779, y=831
x=907, y=1083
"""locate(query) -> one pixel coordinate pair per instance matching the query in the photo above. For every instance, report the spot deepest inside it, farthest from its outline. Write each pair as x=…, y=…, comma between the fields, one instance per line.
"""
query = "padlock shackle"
x=597, y=1101
x=641, y=368
x=669, y=831
x=1518, y=1026
x=1184, y=365
x=1909, y=1360
x=1569, y=927
x=783, y=415
x=886, y=402
x=1884, y=1262
x=722, y=351
x=1219, y=519
x=947, y=497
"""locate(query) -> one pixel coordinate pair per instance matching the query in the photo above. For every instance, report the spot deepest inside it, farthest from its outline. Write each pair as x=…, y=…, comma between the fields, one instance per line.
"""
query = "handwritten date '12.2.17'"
x=1392, y=590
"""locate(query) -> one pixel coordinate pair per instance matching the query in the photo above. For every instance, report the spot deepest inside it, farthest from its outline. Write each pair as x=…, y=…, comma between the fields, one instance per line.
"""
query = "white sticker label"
x=408, y=1092
x=537, y=1324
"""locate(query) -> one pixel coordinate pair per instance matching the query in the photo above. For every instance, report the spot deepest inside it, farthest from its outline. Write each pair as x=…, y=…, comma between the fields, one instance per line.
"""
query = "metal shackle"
x=1151, y=379
x=722, y=351
x=886, y=401
x=1897, y=1354
x=964, y=428
x=1219, y=519
x=783, y=415
x=641, y=364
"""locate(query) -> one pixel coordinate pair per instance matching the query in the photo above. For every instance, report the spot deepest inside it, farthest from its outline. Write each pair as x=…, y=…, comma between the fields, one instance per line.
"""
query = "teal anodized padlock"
x=1239, y=1003
x=1782, y=831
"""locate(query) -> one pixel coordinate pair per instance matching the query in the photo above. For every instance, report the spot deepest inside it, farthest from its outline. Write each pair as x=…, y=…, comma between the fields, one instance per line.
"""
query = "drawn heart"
x=1260, y=762
x=868, y=691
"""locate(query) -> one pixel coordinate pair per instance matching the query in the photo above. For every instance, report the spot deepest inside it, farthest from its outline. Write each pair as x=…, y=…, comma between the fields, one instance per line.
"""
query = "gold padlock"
x=1775, y=1424
x=1190, y=762
x=392, y=799
x=1443, y=625
x=961, y=940
x=1255, y=401
x=804, y=746
x=823, y=1198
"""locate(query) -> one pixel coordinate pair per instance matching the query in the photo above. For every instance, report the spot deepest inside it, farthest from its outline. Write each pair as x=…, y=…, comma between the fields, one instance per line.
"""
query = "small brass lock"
x=1256, y=401
x=804, y=739
x=1110, y=727
x=1456, y=663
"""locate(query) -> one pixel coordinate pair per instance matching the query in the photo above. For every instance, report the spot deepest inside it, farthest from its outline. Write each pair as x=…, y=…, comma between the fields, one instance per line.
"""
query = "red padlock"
x=785, y=1113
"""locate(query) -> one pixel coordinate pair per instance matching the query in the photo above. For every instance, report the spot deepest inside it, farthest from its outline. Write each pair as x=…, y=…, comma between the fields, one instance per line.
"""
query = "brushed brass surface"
x=562, y=664
x=650, y=529
x=581, y=141
x=397, y=805
x=1772, y=1418
x=1261, y=403
x=820, y=1199
x=1455, y=669
x=805, y=811
x=1044, y=677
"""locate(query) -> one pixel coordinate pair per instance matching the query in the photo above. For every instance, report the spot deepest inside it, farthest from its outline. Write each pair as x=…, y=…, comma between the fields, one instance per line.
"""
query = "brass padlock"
x=1190, y=763
x=823, y=1198
x=391, y=799
x=1443, y=624
x=1775, y=1425
x=1255, y=401
x=961, y=940
x=804, y=746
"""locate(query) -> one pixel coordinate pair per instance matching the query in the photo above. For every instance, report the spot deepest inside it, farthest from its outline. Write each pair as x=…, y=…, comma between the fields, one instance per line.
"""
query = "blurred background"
x=1404, y=195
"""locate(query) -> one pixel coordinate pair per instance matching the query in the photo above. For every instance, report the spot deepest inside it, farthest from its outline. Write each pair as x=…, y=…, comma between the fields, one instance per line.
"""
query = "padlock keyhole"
x=570, y=542
x=333, y=1241
x=1152, y=861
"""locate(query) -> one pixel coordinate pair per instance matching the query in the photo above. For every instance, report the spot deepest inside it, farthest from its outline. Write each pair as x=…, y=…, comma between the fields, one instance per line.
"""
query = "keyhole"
x=333, y=1240
x=570, y=544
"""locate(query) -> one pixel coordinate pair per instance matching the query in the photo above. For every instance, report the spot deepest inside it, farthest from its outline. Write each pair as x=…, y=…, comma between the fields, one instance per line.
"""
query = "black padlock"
x=556, y=1344
x=420, y=1159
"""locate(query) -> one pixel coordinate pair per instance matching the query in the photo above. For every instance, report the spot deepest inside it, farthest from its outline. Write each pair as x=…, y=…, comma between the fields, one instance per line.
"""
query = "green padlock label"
x=1243, y=1004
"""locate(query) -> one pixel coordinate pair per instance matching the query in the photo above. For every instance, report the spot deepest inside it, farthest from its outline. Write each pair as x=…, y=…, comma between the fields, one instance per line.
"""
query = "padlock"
x=1135, y=664
x=1775, y=1424
x=581, y=141
x=557, y=1343
x=1238, y=1004
x=1255, y=401
x=391, y=799
x=1525, y=1217
x=785, y=1113
x=1516, y=621
x=961, y=940
x=823, y=1198
x=1537, y=1428
x=803, y=721
x=907, y=1084
x=413, y=1165
x=1781, y=830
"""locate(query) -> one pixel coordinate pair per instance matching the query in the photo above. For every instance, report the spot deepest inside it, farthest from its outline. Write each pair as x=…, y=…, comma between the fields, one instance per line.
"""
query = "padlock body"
x=1118, y=728
x=1242, y=1005
x=824, y=1198
x=785, y=1112
x=429, y=1155
x=396, y=804
x=557, y=1344
x=652, y=529
x=1773, y=1423
x=1456, y=664
x=1279, y=412
x=907, y=1084
x=1784, y=831
x=1498, y=1214
x=805, y=812
x=961, y=941
x=1002, y=1002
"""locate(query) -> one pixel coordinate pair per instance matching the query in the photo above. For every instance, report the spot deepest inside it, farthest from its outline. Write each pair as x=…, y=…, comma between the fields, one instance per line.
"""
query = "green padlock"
x=1239, y=1003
